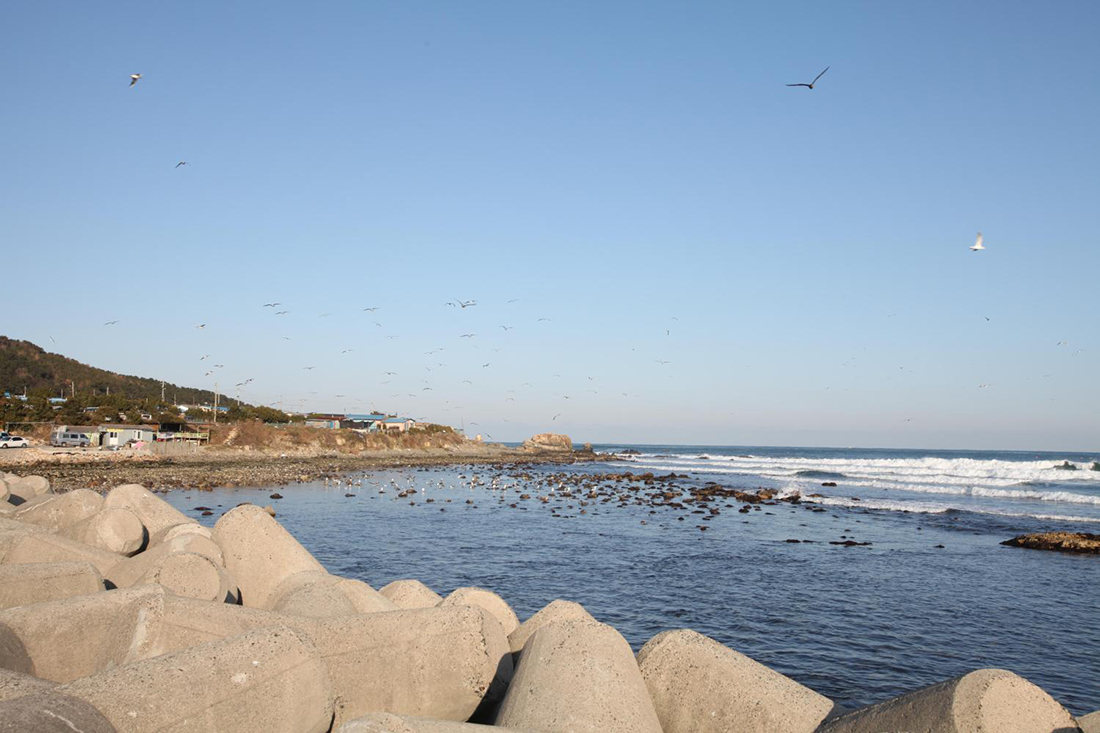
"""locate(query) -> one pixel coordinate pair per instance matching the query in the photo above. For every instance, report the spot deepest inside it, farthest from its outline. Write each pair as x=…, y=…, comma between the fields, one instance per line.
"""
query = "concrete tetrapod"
x=981, y=701
x=488, y=600
x=113, y=530
x=552, y=612
x=175, y=530
x=578, y=675
x=17, y=684
x=33, y=547
x=320, y=595
x=24, y=584
x=75, y=637
x=130, y=570
x=409, y=594
x=191, y=575
x=22, y=490
x=390, y=723
x=268, y=680
x=697, y=684
x=50, y=712
x=155, y=513
x=259, y=553
x=435, y=663
x=58, y=511
x=1090, y=723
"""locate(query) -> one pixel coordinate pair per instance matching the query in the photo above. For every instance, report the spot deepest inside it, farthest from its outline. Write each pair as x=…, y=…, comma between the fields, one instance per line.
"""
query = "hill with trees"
x=24, y=365
x=95, y=396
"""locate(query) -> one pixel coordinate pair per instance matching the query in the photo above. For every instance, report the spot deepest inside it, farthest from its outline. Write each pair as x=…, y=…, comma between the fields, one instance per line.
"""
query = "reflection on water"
x=858, y=624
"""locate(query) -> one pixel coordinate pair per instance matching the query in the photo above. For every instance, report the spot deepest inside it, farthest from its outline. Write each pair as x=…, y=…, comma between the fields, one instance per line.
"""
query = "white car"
x=14, y=441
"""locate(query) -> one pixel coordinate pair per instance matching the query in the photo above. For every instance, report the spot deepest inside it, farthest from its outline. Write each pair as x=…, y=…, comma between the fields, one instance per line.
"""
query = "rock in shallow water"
x=1058, y=541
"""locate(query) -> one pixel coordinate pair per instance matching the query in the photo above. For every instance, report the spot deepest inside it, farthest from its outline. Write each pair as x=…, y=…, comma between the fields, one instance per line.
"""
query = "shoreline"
x=212, y=468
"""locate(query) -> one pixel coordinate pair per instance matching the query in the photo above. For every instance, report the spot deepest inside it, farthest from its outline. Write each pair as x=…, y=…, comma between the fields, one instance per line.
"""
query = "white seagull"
x=977, y=244
x=134, y=78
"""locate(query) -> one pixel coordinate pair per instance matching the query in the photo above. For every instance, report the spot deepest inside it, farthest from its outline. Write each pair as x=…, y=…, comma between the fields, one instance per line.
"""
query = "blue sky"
x=637, y=173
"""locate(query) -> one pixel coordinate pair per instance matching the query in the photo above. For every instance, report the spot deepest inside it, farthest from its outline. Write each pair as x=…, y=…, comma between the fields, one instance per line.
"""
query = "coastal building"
x=114, y=436
x=332, y=422
x=398, y=424
x=371, y=422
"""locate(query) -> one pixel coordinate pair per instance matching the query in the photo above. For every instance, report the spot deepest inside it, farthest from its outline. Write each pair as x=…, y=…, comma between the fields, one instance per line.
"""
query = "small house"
x=114, y=436
x=398, y=424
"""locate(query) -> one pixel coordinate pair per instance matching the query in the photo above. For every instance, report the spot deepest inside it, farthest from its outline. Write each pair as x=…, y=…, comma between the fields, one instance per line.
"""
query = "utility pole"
x=215, y=403
x=162, y=391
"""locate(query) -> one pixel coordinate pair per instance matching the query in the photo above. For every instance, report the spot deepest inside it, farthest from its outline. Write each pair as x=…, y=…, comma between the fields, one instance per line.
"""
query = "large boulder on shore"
x=548, y=442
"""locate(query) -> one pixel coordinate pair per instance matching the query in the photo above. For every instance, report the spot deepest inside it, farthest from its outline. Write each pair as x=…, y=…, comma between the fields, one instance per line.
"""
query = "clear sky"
x=637, y=173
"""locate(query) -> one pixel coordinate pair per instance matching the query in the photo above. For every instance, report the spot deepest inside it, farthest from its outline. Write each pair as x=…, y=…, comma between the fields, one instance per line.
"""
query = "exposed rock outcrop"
x=1058, y=541
x=548, y=442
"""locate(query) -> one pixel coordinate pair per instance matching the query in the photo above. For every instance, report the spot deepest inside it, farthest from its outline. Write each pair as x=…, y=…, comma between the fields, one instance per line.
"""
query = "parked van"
x=64, y=438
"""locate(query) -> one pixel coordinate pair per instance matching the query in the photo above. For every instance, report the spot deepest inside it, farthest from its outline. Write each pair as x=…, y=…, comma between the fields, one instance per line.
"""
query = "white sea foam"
x=936, y=508
x=926, y=475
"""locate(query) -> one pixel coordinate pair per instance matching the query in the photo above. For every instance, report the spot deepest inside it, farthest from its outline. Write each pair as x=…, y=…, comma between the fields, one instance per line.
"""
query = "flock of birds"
x=459, y=304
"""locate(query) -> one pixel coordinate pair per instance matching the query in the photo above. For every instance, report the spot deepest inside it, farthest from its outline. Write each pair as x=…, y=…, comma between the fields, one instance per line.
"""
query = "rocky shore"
x=229, y=467
x=119, y=613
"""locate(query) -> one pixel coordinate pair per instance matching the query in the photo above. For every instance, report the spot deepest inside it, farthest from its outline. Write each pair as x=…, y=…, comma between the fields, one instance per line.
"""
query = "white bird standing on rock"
x=977, y=244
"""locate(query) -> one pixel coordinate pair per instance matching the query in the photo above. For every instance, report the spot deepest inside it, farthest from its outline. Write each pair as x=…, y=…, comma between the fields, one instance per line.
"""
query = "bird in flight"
x=555, y=417
x=324, y=315
x=507, y=328
x=110, y=323
x=977, y=246
x=345, y=351
x=468, y=335
x=204, y=357
x=660, y=361
x=281, y=313
x=1060, y=343
x=370, y=310
x=983, y=386
x=201, y=325
x=182, y=162
x=484, y=365
x=208, y=373
x=543, y=319
x=308, y=368
x=134, y=78
x=464, y=303
x=811, y=84
x=271, y=305
x=513, y=300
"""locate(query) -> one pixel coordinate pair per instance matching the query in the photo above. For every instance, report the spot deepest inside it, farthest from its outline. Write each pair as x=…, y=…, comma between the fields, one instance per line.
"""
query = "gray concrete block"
x=578, y=675
x=697, y=684
x=409, y=594
x=268, y=680
x=981, y=701
x=24, y=584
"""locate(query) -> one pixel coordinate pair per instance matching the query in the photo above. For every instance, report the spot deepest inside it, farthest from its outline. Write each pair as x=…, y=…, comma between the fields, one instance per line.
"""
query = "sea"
x=933, y=595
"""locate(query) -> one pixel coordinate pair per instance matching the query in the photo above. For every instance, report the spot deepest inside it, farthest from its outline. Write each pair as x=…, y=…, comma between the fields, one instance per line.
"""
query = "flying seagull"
x=811, y=84
x=977, y=246
x=555, y=417
x=201, y=325
x=134, y=78
x=370, y=310
x=182, y=162
x=271, y=305
x=464, y=303
x=110, y=323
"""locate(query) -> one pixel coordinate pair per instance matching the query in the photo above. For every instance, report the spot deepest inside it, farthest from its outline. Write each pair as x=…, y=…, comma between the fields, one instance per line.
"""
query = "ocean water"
x=933, y=596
